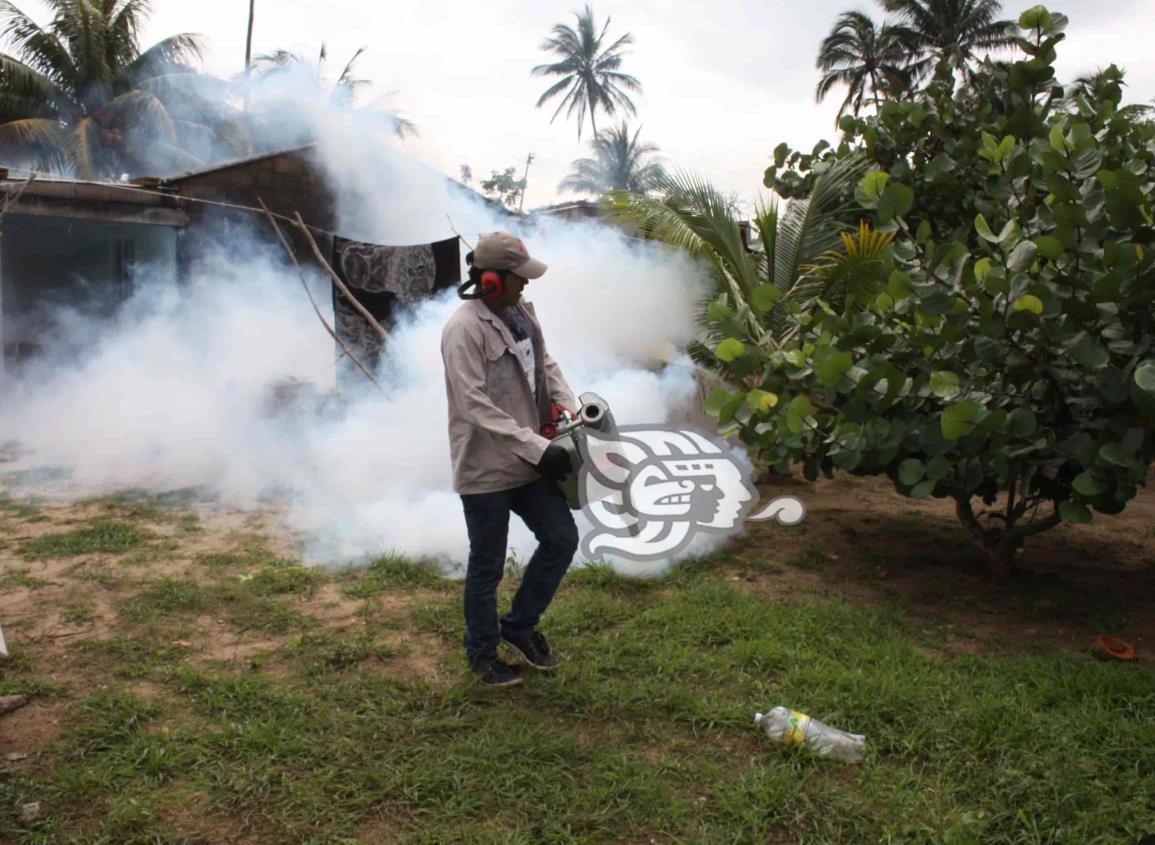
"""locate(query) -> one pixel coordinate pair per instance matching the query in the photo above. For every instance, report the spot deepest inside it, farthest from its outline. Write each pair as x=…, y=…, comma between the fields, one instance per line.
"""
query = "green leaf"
x=960, y=419
x=1090, y=355
x=1049, y=247
x=765, y=296
x=726, y=414
x=1145, y=376
x=780, y=153
x=1021, y=256
x=715, y=400
x=924, y=232
x=871, y=187
x=1029, y=303
x=1117, y=454
x=719, y=310
x=938, y=468
x=832, y=366
x=1133, y=440
x=1058, y=142
x=984, y=230
x=796, y=413
x=896, y=200
x=761, y=400
x=1022, y=423
x=898, y=285
x=982, y=267
x=1075, y=512
x=1005, y=147
x=1086, y=484
x=1036, y=17
x=944, y=384
x=911, y=471
x=922, y=491
x=730, y=349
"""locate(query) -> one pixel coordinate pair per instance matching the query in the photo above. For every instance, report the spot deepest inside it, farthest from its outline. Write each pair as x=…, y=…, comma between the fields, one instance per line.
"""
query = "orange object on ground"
x=1114, y=647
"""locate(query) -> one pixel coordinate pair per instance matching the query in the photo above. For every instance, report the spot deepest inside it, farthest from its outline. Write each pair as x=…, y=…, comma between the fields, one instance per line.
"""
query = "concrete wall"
x=87, y=265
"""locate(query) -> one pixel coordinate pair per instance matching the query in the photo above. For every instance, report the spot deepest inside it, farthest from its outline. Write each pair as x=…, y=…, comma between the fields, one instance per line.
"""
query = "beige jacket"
x=493, y=418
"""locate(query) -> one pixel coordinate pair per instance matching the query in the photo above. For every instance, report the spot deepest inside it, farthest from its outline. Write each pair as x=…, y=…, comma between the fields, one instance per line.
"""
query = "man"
x=501, y=385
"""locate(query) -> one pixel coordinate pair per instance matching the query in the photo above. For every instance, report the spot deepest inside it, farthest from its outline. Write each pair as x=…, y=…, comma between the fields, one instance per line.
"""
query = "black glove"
x=554, y=464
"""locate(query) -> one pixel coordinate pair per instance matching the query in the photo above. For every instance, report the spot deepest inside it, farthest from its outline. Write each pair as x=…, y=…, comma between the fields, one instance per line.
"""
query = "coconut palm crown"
x=589, y=70
x=80, y=96
x=620, y=163
x=870, y=60
x=954, y=31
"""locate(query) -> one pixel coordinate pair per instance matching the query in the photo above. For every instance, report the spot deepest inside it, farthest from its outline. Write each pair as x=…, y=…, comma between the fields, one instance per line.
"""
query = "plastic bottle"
x=790, y=727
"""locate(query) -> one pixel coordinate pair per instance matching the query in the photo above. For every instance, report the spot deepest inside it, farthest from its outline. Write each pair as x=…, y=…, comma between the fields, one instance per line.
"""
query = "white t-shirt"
x=523, y=340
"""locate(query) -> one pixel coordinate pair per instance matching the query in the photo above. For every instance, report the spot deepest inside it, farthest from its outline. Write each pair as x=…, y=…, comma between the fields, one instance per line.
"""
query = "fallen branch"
x=312, y=299
x=337, y=280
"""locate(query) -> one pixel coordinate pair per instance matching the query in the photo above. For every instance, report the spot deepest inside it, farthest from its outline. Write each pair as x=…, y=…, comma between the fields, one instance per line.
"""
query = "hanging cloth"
x=383, y=278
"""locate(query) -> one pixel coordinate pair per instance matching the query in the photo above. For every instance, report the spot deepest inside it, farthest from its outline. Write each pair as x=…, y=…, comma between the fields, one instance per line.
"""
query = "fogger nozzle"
x=594, y=415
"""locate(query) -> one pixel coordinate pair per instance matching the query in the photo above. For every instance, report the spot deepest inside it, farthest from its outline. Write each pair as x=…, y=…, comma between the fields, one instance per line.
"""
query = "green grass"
x=21, y=577
x=645, y=734
x=250, y=604
x=19, y=510
x=392, y=572
x=98, y=536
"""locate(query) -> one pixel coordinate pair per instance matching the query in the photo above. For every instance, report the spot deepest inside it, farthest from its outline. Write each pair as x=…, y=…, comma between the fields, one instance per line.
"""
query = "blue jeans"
x=543, y=508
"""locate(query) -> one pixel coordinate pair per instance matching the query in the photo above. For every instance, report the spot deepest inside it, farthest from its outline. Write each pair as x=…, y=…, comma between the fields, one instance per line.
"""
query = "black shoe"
x=494, y=672
x=533, y=649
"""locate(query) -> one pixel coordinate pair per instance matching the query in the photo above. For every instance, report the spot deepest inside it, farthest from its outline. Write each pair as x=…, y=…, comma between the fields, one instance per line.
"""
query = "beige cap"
x=503, y=251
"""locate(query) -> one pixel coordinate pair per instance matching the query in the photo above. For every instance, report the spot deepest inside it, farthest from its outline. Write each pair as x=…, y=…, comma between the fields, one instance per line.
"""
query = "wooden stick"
x=312, y=300
x=11, y=198
x=337, y=280
x=459, y=235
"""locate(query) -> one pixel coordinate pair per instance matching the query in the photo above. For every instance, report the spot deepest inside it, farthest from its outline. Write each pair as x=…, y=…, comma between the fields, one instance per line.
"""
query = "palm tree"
x=952, y=30
x=80, y=95
x=1103, y=85
x=620, y=163
x=590, y=75
x=795, y=264
x=344, y=91
x=865, y=58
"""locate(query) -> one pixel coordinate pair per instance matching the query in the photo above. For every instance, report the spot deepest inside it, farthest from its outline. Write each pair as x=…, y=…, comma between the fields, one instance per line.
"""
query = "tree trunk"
x=1001, y=545
x=249, y=50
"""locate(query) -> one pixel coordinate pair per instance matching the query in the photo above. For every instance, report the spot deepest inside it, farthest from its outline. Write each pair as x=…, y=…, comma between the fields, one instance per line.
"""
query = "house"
x=288, y=181
x=80, y=244
x=85, y=244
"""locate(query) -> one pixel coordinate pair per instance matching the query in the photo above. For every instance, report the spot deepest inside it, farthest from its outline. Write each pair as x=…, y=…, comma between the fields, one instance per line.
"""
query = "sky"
x=724, y=82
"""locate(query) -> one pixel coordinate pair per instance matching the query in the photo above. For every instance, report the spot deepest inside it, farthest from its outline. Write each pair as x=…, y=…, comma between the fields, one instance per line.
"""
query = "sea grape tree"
x=1006, y=357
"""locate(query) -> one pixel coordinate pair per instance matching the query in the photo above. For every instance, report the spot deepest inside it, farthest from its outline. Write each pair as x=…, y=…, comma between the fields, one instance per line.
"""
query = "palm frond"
x=139, y=108
x=83, y=148
x=40, y=50
x=809, y=226
x=32, y=131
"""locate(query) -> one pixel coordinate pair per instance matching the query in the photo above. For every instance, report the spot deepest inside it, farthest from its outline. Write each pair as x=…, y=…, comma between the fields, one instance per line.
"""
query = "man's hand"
x=555, y=463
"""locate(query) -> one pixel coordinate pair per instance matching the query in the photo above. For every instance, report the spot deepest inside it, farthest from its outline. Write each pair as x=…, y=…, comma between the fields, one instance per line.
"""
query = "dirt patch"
x=862, y=540
x=29, y=729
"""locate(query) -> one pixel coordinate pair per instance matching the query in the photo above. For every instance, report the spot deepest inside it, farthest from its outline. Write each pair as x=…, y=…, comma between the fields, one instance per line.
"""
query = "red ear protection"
x=491, y=284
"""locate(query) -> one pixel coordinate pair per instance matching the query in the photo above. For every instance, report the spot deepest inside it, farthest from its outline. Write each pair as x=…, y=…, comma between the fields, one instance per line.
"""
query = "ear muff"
x=491, y=284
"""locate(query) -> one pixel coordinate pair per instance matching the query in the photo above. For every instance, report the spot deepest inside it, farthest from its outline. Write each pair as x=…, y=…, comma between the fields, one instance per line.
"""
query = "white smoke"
x=174, y=393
